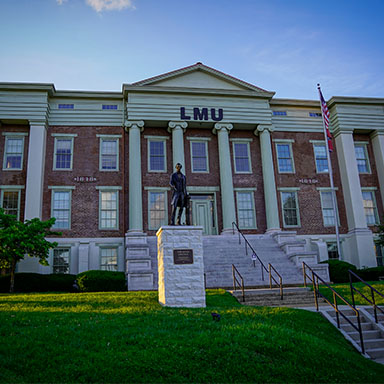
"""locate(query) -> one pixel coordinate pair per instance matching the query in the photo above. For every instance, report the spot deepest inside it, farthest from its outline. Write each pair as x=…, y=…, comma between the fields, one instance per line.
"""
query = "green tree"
x=18, y=239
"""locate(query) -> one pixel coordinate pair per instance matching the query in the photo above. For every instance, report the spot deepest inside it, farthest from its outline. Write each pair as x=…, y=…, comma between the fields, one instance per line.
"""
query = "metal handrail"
x=373, y=290
x=315, y=282
x=262, y=266
x=235, y=280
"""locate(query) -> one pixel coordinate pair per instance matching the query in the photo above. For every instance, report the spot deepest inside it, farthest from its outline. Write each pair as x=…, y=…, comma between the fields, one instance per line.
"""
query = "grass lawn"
x=345, y=291
x=129, y=337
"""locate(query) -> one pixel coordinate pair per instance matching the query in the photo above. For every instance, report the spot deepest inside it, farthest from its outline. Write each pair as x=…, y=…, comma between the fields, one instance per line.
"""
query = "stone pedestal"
x=181, y=267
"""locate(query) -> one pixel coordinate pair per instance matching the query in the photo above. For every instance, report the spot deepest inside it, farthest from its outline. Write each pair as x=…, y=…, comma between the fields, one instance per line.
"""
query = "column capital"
x=376, y=133
x=262, y=127
x=177, y=124
x=339, y=130
x=222, y=126
x=38, y=123
x=134, y=124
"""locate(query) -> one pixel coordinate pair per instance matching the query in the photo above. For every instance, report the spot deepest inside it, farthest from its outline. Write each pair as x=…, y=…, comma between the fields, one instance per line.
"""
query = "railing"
x=236, y=282
x=262, y=266
x=315, y=278
x=373, y=291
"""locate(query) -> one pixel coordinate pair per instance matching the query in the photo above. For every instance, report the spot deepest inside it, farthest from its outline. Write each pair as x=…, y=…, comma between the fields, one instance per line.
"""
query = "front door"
x=201, y=215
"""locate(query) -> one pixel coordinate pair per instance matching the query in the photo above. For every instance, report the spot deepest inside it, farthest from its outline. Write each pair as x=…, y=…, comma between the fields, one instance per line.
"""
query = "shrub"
x=37, y=282
x=371, y=274
x=338, y=270
x=101, y=281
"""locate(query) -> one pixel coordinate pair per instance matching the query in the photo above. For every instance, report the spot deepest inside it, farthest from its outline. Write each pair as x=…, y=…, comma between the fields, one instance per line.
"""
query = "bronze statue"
x=180, y=197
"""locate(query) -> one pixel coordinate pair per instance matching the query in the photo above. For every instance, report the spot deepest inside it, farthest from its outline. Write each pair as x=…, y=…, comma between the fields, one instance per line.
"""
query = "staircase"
x=373, y=334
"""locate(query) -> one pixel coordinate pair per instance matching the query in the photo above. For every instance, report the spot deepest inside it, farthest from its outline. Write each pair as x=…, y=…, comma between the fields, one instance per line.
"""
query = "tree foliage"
x=18, y=239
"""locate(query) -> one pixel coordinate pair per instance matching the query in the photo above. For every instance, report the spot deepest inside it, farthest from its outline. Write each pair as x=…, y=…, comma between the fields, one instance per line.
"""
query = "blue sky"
x=285, y=46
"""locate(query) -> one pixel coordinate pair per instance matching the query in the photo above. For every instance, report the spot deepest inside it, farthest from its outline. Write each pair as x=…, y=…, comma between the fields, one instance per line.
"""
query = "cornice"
x=355, y=100
x=295, y=103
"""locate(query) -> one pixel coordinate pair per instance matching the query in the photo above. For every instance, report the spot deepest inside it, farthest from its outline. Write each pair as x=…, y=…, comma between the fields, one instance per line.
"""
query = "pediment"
x=199, y=76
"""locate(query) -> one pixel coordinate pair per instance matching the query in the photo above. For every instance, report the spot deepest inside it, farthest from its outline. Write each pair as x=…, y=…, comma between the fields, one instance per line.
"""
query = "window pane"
x=246, y=214
x=321, y=158
x=61, y=260
x=63, y=153
x=241, y=157
x=109, y=154
x=199, y=157
x=284, y=158
x=156, y=209
x=108, y=259
x=369, y=207
x=361, y=159
x=289, y=208
x=11, y=203
x=61, y=209
x=108, y=210
x=14, y=153
x=156, y=156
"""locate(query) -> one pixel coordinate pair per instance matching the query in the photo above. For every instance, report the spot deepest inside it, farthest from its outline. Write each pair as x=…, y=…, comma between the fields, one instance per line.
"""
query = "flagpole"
x=333, y=193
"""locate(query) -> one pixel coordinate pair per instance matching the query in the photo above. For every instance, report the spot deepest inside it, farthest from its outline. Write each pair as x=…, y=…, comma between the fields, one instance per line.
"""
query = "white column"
x=270, y=197
x=378, y=151
x=35, y=171
x=226, y=182
x=135, y=191
x=177, y=128
x=359, y=248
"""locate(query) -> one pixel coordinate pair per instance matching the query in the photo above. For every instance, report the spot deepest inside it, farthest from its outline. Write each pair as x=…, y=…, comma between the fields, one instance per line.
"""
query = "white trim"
x=288, y=189
x=368, y=189
x=109, y=246
x=199, y=138
x=253, y=189
x=116, y=139
x=363, y=144
x=284, y=141
x=154, y=189
x=375, y=211
x=328, y=190
x=15, y=133
x=15, y=187
x=62, y=187
x=109, y=136
x=108, y=188
x=18, y=190
x=234, y=142
x=206, y=154
x=66, y=135
x=244, y=191
x=241, y=140
x=320, y=143
x=202, y=189
x=69, y=248
x=156, y=138
x=293, y=190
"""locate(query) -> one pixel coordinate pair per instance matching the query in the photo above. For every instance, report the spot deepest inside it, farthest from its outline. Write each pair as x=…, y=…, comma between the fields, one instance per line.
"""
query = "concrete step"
x=375, y=353
x=372, y=343
x=367, y=335
x=349, y=328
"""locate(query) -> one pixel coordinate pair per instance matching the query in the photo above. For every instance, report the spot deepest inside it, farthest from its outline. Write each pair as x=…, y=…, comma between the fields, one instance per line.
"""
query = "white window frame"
x=290, y=190
x=14, y=135
x=104, y=247
x=242, y=141
x=162, y=139
x=250, y=192
x=364, y=145
x=115, y=190
x=60, y=247
x=115, y=138
x=328, y=190
x=206, y=153
x=157, y=190
x=12, y=188
x=318, y=143
x=63, y=136
x=68, y=189
x=289, y=143
x=372, y=190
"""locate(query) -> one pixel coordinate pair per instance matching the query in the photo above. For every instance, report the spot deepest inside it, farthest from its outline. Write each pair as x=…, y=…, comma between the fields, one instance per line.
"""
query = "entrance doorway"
x=203, y=212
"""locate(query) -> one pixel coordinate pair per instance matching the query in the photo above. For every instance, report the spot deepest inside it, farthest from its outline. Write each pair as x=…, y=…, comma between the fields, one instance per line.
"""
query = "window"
x=199, y=154
x=157, y=209
x=63, y=157
x=109, y=153
x=362, y=158
x=61, y=258
x=370, y=208
x=10, y=202
x=108, y=259
x=284, y=157
x=327, y=208
x=332, y=250
x=314, y=114
x=279, y=113
x=61, y=208
x=379, y=249
x=109, y=106
x=321, y=158
x=66, y=106
x=246, y=210
x=109, y=209
x=290, y=209
x=157, y=159
x=14, y=150
x=241, y=157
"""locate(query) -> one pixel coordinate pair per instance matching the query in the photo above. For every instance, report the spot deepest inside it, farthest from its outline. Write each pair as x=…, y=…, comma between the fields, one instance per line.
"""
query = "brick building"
x=100, y=163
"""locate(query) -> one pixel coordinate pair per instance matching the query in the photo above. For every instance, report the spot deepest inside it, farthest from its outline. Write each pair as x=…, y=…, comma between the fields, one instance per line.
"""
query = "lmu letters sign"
x=200, y=114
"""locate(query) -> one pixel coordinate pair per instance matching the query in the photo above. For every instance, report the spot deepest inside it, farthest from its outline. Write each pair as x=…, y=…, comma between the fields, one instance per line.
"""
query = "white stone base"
x=180, y=285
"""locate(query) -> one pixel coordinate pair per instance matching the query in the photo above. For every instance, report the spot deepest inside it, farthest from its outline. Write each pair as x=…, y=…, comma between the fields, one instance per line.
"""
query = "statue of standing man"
x=180, y=199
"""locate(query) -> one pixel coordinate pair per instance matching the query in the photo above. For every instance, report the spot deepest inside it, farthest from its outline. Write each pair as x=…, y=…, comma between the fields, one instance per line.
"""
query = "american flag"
x=325, y=113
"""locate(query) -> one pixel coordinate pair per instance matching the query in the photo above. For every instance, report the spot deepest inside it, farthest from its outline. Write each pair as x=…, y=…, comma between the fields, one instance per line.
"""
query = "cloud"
x=60, y=2
x=109, y=5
